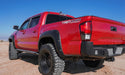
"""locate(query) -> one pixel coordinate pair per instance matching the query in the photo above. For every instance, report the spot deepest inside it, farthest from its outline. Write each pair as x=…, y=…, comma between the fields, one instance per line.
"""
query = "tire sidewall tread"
x=13, y=53
x=58, y=63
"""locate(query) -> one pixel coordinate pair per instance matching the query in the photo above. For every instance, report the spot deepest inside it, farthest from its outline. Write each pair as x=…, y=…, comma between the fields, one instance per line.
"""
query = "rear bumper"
x=101, y=51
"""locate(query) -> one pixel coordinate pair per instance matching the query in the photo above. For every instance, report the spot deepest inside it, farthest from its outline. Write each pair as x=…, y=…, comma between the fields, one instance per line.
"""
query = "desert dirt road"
x=28, y=65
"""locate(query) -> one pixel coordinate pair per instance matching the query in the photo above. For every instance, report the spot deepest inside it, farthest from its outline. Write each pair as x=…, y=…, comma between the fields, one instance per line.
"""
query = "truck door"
x=21, y=35
x=31, y=35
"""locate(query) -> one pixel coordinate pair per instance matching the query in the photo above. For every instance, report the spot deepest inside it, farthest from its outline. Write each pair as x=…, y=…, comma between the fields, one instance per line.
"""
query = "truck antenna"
x=60, y=12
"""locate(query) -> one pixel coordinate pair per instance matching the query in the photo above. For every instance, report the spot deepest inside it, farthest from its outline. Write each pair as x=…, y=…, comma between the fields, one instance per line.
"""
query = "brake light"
x=85, y=30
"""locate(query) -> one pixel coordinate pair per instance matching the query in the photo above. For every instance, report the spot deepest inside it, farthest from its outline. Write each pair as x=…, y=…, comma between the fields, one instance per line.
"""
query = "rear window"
x=34, y=21
x=51, y=18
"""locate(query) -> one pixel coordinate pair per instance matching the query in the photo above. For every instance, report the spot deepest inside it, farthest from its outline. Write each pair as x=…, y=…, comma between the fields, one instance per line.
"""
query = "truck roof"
x=59, y=14
x=47, y=12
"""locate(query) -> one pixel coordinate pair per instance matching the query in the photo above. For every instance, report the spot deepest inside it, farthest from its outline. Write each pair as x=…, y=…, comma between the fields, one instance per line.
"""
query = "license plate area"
x=115, y=51
x=119, y=50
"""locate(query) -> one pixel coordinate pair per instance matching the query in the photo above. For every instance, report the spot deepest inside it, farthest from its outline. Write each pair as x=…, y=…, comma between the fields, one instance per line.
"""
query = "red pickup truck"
x=57, y=37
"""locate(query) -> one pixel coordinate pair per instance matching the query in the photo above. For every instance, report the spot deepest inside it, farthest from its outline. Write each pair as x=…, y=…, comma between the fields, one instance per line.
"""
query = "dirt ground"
x=28, y=65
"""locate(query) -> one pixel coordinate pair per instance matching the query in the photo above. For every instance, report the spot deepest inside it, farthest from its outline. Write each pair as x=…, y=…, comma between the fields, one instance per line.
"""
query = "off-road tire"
x=13, y=53
x=93, y=64
x=49, y=62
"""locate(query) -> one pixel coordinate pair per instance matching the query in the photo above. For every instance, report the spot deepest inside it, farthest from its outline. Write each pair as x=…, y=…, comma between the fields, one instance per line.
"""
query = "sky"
x=15, y=12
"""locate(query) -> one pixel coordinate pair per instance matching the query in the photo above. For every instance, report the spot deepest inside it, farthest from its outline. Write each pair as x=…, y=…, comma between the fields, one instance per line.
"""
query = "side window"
x=34, y=21
x=51, y=18
x=24, y=25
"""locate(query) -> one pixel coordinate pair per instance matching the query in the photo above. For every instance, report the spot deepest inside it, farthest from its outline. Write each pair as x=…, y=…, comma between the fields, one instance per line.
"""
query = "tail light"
x=86, y=30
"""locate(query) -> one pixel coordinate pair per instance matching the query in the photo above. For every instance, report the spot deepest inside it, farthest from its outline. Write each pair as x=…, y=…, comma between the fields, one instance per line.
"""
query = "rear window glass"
x=51, y=18
x=34, y=21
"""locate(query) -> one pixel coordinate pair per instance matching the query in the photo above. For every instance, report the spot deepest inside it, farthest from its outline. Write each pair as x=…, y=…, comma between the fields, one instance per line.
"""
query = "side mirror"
x=16, y=27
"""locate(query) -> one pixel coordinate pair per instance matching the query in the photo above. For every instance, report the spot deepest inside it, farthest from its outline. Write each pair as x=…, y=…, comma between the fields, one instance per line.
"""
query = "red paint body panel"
x=69, y=31
x=68, y=34
x=102, y=34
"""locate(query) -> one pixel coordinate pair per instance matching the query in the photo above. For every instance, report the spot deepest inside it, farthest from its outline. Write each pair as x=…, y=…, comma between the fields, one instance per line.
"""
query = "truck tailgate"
x=107, y=32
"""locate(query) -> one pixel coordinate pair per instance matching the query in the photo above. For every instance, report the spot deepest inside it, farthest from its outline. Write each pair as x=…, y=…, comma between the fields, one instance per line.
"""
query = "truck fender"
x=54, y=34
x=11, y=38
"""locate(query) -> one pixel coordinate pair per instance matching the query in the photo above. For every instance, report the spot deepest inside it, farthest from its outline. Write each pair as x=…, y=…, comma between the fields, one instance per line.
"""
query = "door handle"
x=23, y=32
x=113, y=28
x=34, y=31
